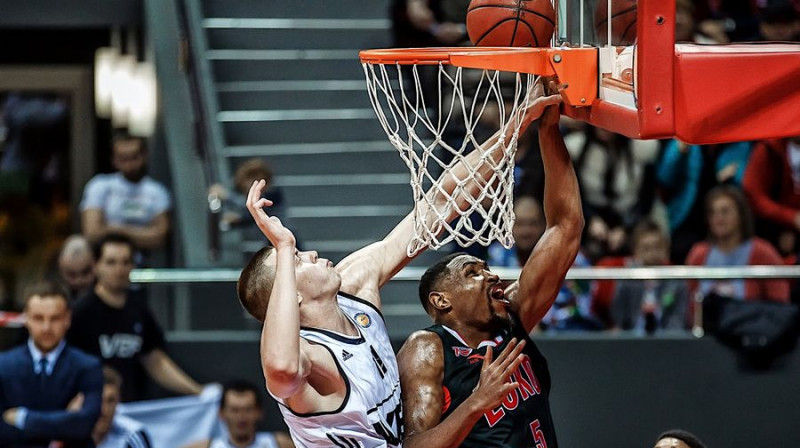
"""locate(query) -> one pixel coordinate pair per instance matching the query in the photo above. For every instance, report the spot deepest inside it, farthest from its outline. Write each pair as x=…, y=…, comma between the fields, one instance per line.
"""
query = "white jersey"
x=125, y=432
x=372, y=413
x=262, y=440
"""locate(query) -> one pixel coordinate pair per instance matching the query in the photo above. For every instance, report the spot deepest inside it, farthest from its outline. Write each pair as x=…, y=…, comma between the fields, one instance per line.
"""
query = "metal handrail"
x=161, y=276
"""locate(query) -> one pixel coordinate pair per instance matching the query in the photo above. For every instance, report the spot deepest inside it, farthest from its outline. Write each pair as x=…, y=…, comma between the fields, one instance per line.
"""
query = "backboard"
x=646, y=86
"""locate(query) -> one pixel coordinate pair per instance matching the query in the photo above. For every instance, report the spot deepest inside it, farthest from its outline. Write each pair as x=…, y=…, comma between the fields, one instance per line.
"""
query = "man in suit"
x=38, y=380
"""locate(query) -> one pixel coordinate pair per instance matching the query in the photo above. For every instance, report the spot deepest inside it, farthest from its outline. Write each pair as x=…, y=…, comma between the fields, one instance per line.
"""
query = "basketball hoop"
x=435, y=130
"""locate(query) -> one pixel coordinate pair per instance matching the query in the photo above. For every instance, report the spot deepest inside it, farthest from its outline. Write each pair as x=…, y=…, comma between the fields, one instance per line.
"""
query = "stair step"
x=346, y=9
x=303, y=39
x=352, y=163
x=295, y=99
x=345, y=227
x=302, y=131
x=291, y=68
x=347, y=195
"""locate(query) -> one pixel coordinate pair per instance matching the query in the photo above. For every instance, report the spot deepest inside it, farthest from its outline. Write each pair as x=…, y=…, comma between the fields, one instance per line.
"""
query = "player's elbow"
x=281, y=373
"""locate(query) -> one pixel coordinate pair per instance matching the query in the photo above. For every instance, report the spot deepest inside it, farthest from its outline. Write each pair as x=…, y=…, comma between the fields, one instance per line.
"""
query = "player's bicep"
x=544, y=272
x=285, y=386
x=421, y=363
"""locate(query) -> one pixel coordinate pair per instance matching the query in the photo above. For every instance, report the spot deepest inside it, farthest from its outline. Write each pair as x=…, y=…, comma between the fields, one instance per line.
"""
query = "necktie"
x=42, y=372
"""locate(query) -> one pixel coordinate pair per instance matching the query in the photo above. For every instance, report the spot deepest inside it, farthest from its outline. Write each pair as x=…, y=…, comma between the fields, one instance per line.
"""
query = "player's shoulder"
x=420, y=347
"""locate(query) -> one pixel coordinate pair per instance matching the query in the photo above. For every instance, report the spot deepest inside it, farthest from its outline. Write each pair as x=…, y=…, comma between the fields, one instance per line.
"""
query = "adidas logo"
x=346, y=355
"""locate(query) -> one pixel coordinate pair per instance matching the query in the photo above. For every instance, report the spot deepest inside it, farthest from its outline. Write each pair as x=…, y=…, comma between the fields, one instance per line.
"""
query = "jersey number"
x=538, y=435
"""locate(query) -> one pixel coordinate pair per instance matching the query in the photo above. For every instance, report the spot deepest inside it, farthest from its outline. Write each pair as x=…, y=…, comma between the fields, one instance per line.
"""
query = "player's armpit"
x=421, y=364
x=321, y=388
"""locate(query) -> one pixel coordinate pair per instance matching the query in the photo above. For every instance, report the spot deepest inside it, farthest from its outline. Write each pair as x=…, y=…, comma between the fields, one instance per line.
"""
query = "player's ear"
x=439, y=301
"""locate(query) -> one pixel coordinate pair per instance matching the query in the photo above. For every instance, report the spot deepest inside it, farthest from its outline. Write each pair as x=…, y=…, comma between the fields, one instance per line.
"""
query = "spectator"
x=686, y=29
x=234, y=210
x=240, y=410
x=729, y=20
x=685, y=173
x=40, y=379
x=780, y=21
x=650, y=305
x=113, y=430
x=731, y=243
x=772, y=183
x=430, y=23
x=127, y=202
x=678, y=438
x=615, y=186
x=76, y=266
x=529, y=226
x=114, y=323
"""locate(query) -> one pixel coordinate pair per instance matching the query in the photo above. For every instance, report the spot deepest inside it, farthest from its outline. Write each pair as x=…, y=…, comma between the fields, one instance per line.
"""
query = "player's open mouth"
x=497, y=293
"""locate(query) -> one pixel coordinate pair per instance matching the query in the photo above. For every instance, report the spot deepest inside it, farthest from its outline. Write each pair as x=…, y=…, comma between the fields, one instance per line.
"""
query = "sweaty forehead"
x=459, y=262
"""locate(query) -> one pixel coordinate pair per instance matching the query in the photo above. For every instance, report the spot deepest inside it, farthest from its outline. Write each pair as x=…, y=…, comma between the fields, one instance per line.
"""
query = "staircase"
x=288, y=87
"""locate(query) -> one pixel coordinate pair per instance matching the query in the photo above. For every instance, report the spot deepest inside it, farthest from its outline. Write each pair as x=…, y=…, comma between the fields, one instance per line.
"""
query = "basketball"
x=511, y=23
x=623, y=22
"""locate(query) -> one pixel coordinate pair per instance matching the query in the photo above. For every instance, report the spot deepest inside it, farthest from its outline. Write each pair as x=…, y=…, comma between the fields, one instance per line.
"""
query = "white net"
x=435, y=116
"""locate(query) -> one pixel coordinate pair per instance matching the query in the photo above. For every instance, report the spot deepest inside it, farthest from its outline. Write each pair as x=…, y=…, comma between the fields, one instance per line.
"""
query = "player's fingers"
x=512, y=367
x=487, y=359
x=506, y=352
x=513, y=355
x=251, y=193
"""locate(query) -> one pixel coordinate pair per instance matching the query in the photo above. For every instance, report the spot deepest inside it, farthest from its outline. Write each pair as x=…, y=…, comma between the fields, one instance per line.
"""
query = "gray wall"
x=616, y=392
x=70, y=13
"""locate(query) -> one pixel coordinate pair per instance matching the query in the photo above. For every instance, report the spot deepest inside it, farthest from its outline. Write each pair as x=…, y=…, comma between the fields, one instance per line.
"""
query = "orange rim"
x=437, y=55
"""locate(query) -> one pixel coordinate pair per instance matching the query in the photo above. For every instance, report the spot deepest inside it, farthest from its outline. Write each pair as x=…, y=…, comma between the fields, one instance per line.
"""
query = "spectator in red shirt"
x=772, y=183
x=731, y=242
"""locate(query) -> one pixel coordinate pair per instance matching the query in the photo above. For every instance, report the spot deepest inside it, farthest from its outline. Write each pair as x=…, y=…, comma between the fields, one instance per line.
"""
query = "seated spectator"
x=780, y=21
x=113, y=430
x=115, y=323
x=234, y=209
x=686, y=29
x=650, y=305
x=38, y=380
x=76, y=266
x=772, y=183
x=678, y=438
x=684, y=174
x=731, y=243
x=240, y=410
x=127, y=202
x=616, y=189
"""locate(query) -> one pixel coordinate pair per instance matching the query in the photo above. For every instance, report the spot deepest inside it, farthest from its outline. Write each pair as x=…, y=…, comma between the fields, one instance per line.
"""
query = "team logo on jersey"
x=363, y=320
x=462, y=351
x=346, y=355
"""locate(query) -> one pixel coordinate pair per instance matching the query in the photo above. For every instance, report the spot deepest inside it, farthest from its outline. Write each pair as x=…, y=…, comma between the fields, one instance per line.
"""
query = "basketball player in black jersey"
x=325, y=351
x=441, y=365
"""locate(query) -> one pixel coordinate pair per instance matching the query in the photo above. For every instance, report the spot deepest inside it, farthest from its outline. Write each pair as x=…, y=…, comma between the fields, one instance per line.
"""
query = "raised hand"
x=270, y=226
x=494, y=384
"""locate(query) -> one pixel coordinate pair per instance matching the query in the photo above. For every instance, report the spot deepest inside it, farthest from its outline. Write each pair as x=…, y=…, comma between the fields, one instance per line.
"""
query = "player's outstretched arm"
x=544, y=272
x=421, y=363
x=365, y=271
x=284, y=363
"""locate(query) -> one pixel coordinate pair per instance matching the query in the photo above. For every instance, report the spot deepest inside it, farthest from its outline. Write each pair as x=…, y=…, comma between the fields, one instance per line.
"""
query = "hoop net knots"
x=435, y=132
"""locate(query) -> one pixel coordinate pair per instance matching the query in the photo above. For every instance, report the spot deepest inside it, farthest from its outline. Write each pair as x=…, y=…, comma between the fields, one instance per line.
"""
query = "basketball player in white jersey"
x=325, y=350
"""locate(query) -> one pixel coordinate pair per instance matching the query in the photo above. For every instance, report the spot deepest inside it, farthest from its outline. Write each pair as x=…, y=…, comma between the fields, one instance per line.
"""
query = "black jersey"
x=523, y=420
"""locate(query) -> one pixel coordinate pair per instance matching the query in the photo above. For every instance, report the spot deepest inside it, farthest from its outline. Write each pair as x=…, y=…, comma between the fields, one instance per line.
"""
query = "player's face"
x=47, y=321
x=240, y=414
x=671, y=442
x=477, y=296
x=315, y=274
x=114, y=267
x=723, y=217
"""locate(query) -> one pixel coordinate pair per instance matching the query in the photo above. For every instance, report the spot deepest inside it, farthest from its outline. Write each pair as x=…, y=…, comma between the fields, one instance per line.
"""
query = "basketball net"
x=425, y=137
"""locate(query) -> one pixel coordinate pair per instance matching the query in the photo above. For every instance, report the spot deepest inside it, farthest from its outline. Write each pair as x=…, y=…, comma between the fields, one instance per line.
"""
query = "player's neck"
x=327, y=314
x=114, y=299
x=471, y=335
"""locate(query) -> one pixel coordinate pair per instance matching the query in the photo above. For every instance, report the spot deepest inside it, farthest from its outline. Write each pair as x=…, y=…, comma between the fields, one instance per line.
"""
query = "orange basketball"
x=623, y=22
x=511, y=23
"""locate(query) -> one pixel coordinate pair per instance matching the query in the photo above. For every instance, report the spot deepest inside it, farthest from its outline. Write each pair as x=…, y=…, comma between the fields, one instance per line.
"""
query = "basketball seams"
x=533, y=32
x=516, y=25
x=530, y=11
x=503, y=22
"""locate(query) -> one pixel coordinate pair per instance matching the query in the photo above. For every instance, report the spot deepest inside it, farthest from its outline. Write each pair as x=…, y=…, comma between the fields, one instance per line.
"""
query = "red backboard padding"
x=736, y=92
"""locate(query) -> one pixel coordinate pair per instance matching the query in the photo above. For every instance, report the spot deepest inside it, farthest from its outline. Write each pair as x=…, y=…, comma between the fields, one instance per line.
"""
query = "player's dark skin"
x=472, y=302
